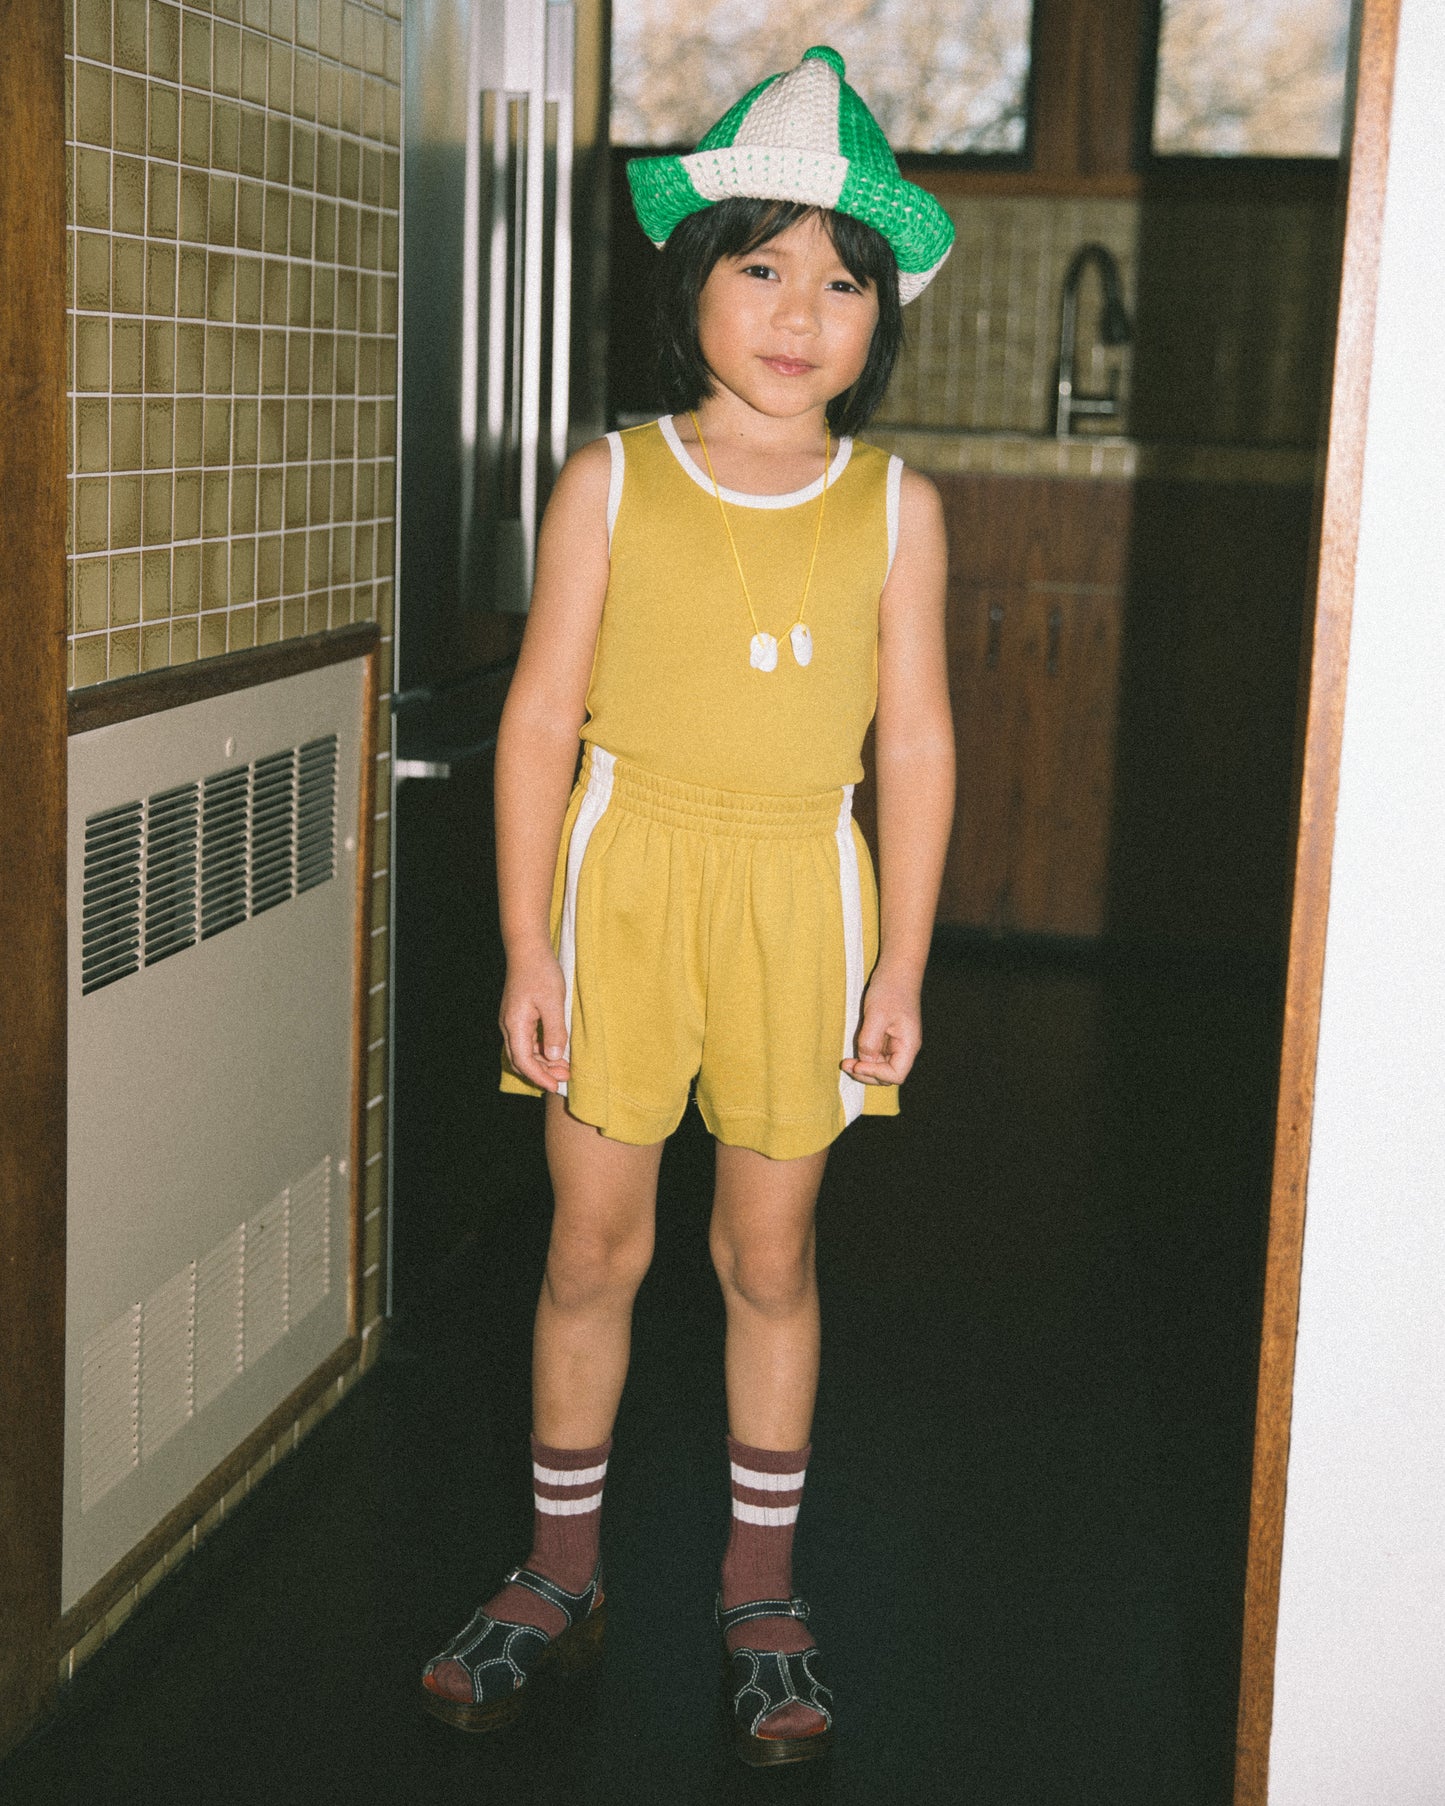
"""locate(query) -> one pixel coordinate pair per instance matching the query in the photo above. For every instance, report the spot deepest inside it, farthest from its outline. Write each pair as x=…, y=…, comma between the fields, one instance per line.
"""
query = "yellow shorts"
x=711, y=935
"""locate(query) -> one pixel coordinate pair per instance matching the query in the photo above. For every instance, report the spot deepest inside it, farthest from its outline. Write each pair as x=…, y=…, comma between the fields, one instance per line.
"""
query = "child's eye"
x=849, y=288
x=758, y=269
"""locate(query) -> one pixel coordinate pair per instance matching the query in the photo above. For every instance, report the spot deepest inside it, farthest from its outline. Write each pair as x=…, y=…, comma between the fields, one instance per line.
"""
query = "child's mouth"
x=787, y=366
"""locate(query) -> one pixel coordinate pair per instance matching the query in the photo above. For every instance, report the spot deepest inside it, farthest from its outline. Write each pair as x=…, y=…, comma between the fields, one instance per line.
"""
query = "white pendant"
x=763, y=653
x=802, y=644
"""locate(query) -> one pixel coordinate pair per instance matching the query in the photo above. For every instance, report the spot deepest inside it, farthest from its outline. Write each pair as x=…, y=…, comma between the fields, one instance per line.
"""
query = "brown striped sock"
x=566, y=1522
x=767, y=1489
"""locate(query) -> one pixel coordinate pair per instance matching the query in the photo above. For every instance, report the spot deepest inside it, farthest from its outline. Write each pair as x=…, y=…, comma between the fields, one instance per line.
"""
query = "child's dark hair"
x=732, y=228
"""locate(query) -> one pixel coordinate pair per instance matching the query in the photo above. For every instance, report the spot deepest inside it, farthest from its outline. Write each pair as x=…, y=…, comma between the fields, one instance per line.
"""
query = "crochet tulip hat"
x=803, y=136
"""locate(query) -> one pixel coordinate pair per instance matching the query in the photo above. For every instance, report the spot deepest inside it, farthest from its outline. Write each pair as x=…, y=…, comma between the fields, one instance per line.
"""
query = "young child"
x=722, y=598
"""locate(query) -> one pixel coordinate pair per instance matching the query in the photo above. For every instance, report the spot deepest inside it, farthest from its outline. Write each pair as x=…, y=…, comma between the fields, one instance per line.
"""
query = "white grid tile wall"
x=234, y=176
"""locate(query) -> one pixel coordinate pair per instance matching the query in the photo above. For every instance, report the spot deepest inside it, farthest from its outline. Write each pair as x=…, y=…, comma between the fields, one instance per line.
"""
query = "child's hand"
x=533, y=1019
x=889, y=1035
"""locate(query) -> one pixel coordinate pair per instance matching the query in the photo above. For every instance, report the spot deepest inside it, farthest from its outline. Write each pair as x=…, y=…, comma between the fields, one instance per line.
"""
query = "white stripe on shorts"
x=568, y=1476
x=567, y=1508
x=594, y=805
x=614, y=484
x=771, y=1515
x=849, y=1088
x=749, y=1476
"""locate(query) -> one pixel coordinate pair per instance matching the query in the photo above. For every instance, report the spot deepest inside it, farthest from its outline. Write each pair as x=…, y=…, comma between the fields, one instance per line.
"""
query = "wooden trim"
x=33, y=467
x=1085, y=79
x=361, y=983
x=1318, y=761
x=126, y=698
x=158, y=1542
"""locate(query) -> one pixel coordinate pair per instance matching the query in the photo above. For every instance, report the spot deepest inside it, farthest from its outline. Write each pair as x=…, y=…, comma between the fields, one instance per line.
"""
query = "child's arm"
x=913, y=761
x=537, y=756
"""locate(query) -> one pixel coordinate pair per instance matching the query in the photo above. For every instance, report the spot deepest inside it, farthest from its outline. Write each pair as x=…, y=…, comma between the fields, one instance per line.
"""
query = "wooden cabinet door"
x=1034, y=678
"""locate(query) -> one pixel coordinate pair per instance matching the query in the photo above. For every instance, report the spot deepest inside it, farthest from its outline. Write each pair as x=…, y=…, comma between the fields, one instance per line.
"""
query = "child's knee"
x=586, y=1266
x=773, y=1277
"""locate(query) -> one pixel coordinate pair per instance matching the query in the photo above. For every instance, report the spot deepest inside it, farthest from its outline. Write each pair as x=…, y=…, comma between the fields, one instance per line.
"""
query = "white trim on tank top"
x=614, y=483
x=895, y=479
x=793, y=499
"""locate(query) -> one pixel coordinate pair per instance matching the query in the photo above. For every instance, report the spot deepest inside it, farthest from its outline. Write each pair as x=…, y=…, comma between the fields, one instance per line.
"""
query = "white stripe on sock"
x=567, y=1508
x=749, y=1476
x=772, y=1515
x=568, y=1476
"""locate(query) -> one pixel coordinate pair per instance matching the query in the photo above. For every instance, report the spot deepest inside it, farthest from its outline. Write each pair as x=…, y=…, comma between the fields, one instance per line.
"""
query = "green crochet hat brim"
x=665, y=190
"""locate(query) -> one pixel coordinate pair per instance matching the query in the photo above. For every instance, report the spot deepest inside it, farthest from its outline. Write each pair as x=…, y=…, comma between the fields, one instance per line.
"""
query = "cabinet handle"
x=1056, y=628
x=995, y=632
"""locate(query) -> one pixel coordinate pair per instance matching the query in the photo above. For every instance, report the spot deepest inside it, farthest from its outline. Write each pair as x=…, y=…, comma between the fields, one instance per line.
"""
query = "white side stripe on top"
x=614, y=483
x=849, y=1088
x=770, y=1515
x=594, y=806
x=567, y=1508
x=895, y=484
x=568, y=1476
x=749, y=1476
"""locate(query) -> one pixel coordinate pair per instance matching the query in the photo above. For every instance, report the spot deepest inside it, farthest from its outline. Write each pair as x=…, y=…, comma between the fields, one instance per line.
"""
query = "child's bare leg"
x=602, y=1233
x=602, y=1230
x=763, y=1250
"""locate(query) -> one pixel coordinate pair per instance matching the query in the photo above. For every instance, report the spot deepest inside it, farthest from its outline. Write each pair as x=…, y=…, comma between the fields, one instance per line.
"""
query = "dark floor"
x=1023, y=1535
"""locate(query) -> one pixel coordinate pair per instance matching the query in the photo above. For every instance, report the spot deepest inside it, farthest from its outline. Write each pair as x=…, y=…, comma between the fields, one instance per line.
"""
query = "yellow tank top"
x=672, y=689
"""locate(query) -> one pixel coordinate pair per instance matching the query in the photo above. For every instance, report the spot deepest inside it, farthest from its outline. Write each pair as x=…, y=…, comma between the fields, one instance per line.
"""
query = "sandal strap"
x=571, y=1605
x=760, y=1608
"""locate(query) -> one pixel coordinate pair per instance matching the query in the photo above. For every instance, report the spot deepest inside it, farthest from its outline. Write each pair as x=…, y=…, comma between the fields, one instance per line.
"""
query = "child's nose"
x=797, y=309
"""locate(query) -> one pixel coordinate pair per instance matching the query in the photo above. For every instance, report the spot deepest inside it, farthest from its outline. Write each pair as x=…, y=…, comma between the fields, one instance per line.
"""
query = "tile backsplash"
x=1230, y=304
x=234, y=213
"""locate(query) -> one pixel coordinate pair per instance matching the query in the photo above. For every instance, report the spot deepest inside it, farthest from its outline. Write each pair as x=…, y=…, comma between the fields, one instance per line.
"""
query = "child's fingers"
x=886, y=1052
x=535, y=1042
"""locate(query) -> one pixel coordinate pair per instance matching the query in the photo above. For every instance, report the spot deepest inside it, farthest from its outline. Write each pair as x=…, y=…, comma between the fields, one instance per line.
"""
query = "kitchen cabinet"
x=1123, y=663
x=1035, y=607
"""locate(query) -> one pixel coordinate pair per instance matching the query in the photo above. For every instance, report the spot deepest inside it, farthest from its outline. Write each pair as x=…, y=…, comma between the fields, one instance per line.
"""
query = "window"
x=1250, y=78
x=941, y=76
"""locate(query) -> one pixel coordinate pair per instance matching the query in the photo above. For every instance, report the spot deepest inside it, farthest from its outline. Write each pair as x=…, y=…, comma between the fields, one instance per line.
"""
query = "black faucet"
x=1115, y=328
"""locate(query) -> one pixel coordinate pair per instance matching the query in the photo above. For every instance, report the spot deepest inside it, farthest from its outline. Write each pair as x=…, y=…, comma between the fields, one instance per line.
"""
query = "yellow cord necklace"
x=763, y=651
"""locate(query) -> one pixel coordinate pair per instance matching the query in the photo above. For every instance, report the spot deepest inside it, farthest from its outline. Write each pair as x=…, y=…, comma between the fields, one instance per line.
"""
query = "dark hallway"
x=1023, y=1535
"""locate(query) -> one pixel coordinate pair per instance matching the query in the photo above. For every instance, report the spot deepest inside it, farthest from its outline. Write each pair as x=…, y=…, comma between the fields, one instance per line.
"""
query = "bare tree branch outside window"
x=940, y=75
x=1251, y=78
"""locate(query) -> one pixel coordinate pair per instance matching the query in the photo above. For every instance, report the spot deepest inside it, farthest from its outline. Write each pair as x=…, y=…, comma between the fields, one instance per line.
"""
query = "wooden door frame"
x=1324, y=662
x=33, y=474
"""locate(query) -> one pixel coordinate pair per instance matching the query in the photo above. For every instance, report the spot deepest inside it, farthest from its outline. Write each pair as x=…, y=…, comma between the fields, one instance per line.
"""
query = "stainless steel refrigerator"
x=503, y=219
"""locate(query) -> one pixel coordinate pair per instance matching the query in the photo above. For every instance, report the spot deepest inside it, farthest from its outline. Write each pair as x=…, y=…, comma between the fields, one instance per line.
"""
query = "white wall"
x=1360, y=1679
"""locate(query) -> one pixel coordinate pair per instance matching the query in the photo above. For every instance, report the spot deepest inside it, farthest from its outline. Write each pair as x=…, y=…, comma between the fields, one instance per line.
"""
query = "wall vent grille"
x=184, y=864
x=316, y=813
x=172, y=819
x=152, y=1369
x=112, y=896
x=225, y=813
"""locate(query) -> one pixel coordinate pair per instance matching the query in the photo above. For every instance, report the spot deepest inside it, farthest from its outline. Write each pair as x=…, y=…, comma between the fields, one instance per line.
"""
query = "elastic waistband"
x=733, y=813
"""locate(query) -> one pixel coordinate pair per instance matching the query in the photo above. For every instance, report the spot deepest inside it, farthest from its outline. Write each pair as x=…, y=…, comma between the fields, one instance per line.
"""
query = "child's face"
x=786, y=327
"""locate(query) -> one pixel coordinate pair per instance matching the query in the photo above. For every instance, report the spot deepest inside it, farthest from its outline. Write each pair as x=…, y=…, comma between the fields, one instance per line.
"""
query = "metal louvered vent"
x=316, y=813
x=273, y=831
x=170, y=875
x=110, y=942
x=164, y=1360
x=185, y=863
x=225, y=807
